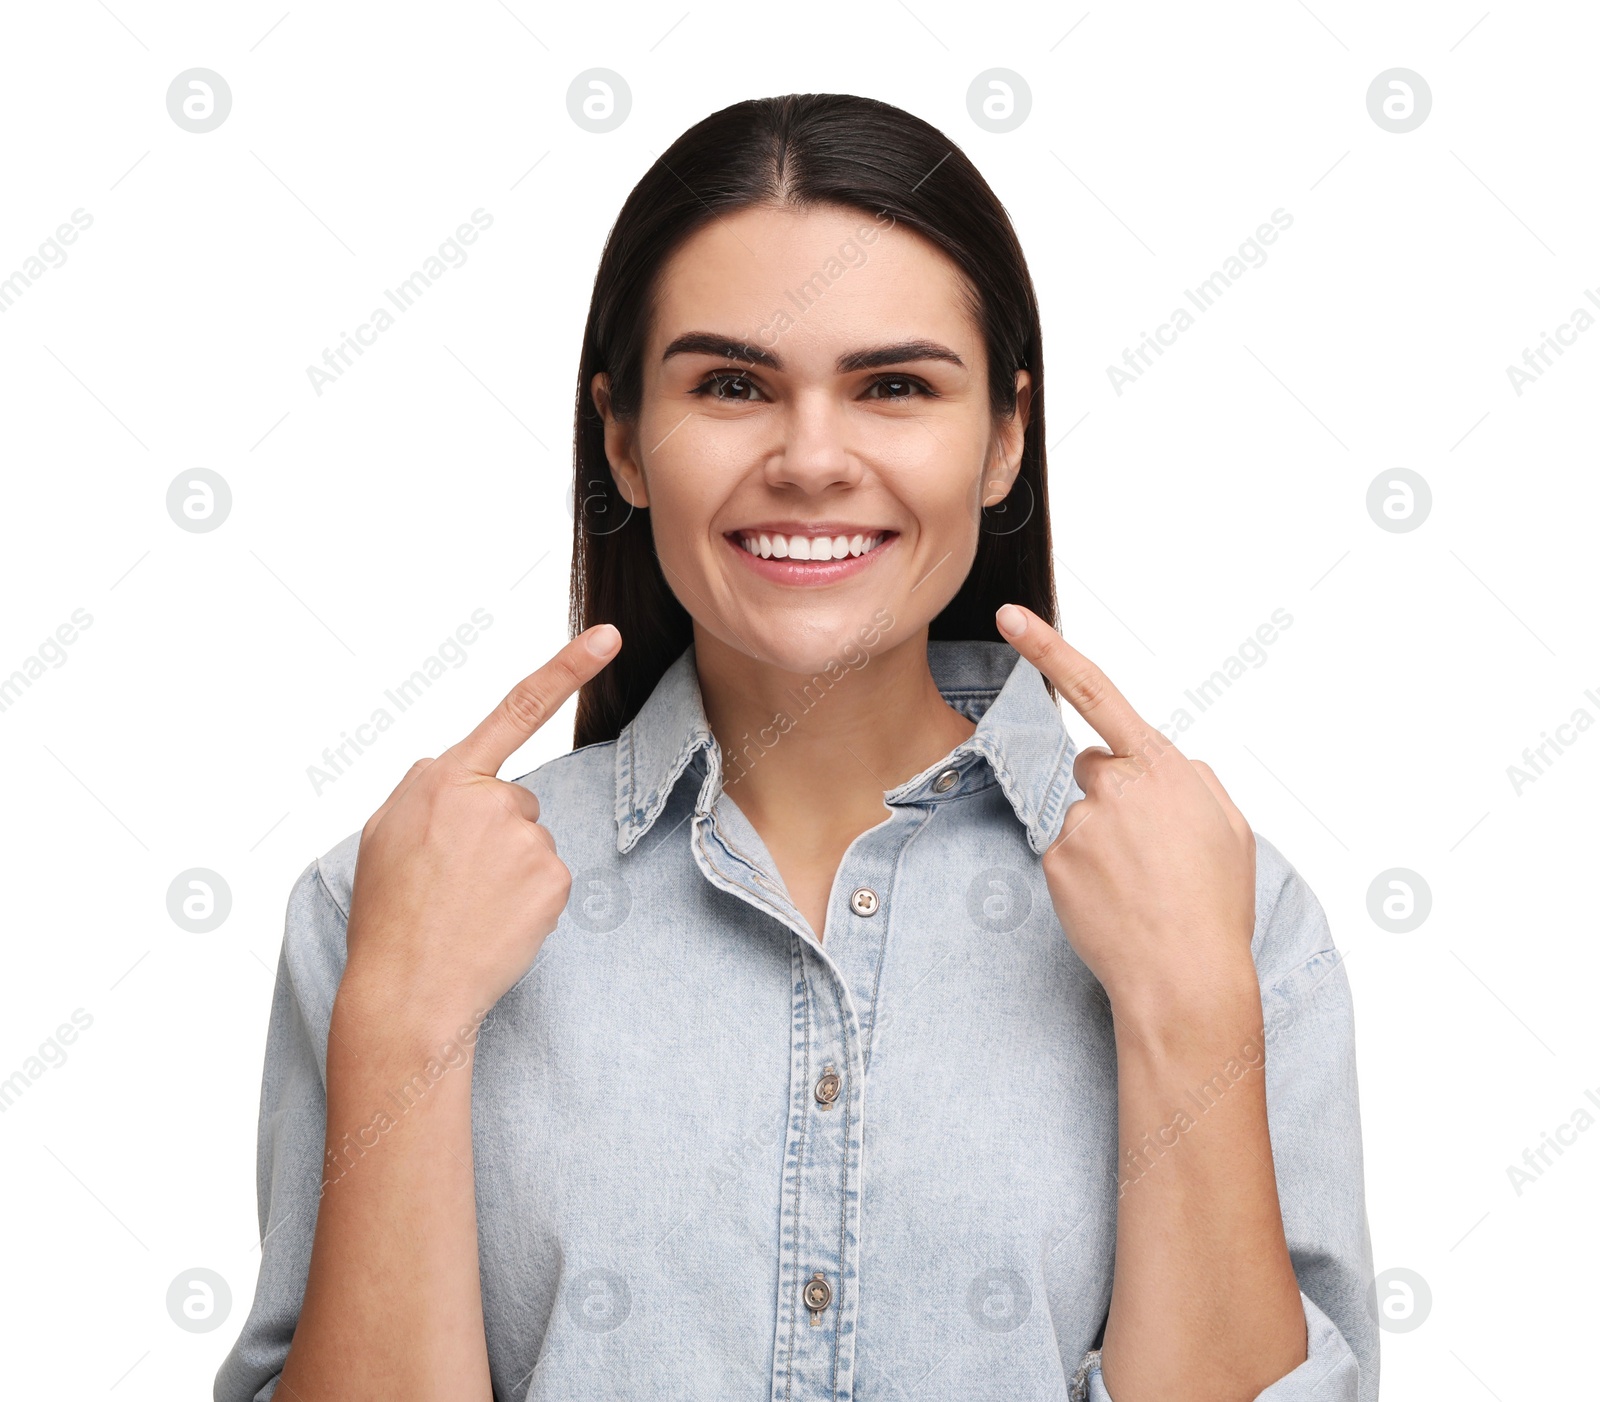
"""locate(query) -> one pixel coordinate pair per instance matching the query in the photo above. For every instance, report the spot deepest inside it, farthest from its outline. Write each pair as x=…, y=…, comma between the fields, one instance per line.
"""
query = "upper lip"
x=817, y=528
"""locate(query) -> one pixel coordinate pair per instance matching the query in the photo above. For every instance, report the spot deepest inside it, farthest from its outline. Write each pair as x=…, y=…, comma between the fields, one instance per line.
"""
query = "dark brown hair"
x=800, y=150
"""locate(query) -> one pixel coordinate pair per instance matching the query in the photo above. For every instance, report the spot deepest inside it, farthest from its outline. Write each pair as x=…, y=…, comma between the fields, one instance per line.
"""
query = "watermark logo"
x=999, y=900
x=1007, y=517
x=1399, y=100
x=598, y=518
x=999, y=99
x=199, y=100
x=600, y=900
x=1399, y=1300
x=198, y=900
x=999, y=1300
x=1399, y=500
x=599, y=100
x=199, y=1300
x=1398, y=900
x=199, y=500
x=598, y=1300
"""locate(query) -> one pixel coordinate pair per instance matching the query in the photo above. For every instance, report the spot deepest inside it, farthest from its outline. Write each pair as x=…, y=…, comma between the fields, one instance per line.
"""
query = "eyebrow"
x=731, y=348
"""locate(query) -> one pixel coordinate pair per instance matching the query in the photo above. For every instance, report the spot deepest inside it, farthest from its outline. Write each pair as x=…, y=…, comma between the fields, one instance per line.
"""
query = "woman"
x=847, y=1035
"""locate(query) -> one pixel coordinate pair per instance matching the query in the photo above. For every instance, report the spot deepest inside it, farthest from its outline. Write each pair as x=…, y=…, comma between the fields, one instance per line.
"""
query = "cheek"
x=944, y=498
x=694, y=469
x=678, y=436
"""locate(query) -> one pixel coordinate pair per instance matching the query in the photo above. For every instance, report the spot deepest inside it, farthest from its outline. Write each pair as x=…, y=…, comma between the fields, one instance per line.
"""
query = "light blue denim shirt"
x=719, y=1158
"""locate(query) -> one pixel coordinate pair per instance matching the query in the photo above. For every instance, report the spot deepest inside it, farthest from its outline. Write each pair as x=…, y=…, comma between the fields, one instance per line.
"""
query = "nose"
x=815, y=453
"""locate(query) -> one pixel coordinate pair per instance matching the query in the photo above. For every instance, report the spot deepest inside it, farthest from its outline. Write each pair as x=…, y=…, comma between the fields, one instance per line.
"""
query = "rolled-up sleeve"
x=290, y=1137
x=1313, y=1113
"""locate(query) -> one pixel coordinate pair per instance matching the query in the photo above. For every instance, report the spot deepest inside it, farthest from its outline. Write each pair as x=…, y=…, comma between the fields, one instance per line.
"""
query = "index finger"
x=533, y=700
x=1087, y=689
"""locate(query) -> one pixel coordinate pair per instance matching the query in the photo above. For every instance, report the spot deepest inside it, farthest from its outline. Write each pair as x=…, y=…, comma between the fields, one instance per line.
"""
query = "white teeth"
x=799, y=547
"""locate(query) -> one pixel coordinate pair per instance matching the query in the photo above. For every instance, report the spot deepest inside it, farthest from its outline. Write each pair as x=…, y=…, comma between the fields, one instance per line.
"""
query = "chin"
x=814, y=640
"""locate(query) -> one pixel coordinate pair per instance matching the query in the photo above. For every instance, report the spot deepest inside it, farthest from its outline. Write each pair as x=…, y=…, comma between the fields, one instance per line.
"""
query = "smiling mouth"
x=776, y=545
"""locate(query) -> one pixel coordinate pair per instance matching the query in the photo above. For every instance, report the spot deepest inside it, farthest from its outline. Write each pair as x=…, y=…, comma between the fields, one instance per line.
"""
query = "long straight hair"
x=800, y=150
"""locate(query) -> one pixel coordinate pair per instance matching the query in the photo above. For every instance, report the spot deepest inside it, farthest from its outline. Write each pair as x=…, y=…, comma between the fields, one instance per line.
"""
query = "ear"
x=1005, y=461
x=620, y=450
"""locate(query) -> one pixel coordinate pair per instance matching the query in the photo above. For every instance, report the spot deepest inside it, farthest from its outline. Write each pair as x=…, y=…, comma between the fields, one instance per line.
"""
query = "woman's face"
x=813, y=375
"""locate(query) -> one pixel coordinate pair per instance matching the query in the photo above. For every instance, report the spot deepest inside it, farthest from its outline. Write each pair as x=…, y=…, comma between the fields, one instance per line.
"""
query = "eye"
x=714, y=384
x=900, y=387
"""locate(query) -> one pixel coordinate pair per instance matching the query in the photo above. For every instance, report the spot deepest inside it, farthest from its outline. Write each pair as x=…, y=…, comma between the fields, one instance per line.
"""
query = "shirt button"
x=864, y=900
x=946, y=781
x=827, y=1088
x=818, y=1294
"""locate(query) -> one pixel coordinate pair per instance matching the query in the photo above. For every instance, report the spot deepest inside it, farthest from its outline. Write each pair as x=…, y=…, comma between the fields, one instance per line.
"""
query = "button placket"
x=820, y=1242
x=814, y=1341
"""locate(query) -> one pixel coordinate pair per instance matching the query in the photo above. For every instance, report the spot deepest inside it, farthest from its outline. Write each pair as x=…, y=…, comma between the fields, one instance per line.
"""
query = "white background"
x=431, y=480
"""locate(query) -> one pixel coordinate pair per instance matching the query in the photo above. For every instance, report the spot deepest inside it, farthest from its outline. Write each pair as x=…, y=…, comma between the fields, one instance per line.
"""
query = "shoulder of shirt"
x=576, y=794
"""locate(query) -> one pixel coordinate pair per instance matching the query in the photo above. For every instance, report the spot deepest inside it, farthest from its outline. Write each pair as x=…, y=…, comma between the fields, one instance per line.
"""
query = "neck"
x=817, y=751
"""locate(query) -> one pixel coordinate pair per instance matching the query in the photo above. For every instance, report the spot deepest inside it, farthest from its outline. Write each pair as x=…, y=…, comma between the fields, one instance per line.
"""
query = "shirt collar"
x=1020, y=733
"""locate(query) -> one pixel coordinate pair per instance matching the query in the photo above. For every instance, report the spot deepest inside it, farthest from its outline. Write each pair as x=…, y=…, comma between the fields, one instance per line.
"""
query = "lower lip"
x=810, y=571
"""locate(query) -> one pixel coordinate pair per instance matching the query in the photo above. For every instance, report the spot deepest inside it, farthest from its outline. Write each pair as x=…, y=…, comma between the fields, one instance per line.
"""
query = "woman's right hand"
x=456, y=883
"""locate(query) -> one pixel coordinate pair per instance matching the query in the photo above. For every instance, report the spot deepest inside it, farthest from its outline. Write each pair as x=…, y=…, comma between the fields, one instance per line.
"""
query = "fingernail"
x=1012, y=620
x=602, y=640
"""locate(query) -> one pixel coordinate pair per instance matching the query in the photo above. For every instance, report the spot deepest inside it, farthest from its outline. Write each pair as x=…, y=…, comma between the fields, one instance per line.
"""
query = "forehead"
x=823, y=278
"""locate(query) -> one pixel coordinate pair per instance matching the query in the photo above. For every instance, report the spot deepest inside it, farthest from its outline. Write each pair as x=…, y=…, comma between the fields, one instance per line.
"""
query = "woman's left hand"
x=1153, y=874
